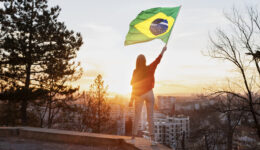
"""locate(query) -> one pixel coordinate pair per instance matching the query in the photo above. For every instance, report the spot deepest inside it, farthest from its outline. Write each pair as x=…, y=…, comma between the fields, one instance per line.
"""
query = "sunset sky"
x=183, y=70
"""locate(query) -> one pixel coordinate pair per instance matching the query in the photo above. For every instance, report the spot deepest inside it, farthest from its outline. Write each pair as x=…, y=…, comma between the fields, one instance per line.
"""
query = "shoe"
x=132, y=141
x=153, y=143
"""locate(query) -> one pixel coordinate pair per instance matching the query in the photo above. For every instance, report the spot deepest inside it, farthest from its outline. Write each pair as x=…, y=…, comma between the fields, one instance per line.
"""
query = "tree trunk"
x=23, y=111
x=28, y=73
x=229, y=140
x=229, y=133
x=229, y=129
x=26, y=95
x=10, y=119
x=49, y=116
x=257, y=66
x=41, y=123
x=49, y=105
x=257, y=126
x=251, y=107
x=99, y=115
x=206, y=142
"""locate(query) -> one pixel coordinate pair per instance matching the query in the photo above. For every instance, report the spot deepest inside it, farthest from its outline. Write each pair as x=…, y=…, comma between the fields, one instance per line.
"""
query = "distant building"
x=195, y=104
x=166, y=104
x=171, y=131
x=117, y=113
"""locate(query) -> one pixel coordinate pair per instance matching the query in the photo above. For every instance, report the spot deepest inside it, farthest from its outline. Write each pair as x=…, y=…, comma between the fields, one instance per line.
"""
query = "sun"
x=119, y=86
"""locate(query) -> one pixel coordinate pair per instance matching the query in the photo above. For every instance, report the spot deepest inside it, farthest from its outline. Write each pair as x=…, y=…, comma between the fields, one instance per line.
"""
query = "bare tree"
x=225, y=105
x=208, y=134
x=232, y=46
x=87, y=113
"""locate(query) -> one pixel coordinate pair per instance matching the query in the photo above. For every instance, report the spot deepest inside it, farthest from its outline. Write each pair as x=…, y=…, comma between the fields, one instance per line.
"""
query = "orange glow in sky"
x=183, y=69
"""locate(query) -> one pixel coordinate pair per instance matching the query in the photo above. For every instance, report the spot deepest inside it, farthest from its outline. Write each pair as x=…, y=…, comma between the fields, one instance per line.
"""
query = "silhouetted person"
x=142, y=90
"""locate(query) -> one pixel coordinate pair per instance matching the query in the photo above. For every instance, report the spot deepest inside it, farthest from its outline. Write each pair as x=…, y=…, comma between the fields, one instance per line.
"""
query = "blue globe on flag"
x=159, y=26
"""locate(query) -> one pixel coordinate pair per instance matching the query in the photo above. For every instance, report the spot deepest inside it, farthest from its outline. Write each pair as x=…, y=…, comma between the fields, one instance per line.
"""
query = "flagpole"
x=173, y=25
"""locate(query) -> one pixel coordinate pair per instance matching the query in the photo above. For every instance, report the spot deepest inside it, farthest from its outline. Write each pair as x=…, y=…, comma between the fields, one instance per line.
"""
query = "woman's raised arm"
x=158, y=59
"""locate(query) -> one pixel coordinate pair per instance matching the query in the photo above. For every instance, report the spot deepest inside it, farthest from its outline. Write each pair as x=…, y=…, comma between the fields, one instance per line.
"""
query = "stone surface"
x=40, y=137
x=144, y=144
x=15, y=143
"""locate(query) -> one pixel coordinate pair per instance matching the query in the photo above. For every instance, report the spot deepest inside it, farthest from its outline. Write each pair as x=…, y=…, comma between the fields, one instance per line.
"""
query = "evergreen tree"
x=101, y=109
x=33, y=41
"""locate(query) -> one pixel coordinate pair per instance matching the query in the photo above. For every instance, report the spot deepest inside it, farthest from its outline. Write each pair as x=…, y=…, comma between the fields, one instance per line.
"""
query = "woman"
x=142, y=90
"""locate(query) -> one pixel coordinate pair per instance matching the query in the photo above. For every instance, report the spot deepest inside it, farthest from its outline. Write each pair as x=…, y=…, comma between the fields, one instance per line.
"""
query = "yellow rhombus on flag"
x=154, y=23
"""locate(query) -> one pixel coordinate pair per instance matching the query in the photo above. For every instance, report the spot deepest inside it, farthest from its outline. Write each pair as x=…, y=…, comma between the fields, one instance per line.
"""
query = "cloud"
x=92, y=73
x=168, y=83
x=97, y=27
x=167, y=87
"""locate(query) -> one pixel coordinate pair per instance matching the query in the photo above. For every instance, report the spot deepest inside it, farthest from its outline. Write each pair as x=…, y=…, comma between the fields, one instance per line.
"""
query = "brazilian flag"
x=154, y=23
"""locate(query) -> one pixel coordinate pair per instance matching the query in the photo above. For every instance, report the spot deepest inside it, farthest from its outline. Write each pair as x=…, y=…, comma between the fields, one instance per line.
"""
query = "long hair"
x=140, y=63
x=141, y=69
